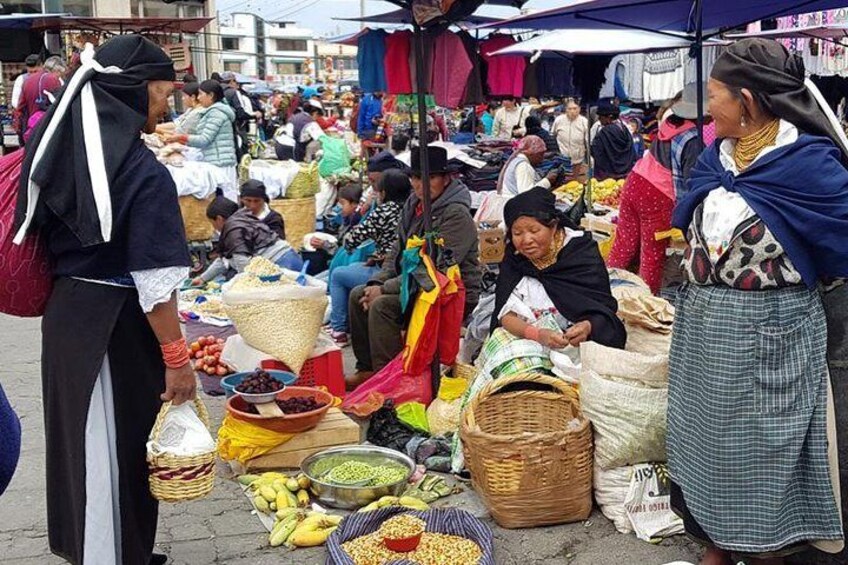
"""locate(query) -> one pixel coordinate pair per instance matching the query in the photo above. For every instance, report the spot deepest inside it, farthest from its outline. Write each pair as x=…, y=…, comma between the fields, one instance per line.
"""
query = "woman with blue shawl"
x=751, y=429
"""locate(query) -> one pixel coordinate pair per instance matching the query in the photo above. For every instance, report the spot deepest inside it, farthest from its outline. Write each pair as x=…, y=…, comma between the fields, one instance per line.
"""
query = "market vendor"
x=751, y=434
x=214, y=135
x=509, y=119
x=612, y=146
x=553, y=287
x=187, y=122
x=519, y=172
x=243, y=236
x=112, y=347
x=651, y=190
x=376, y=320
x=254, y=197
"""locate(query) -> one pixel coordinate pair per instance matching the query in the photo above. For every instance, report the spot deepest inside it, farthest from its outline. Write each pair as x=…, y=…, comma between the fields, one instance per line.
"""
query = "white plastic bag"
x=648, y=503
x=182, y=433
x=625, y=396
x=611, y=489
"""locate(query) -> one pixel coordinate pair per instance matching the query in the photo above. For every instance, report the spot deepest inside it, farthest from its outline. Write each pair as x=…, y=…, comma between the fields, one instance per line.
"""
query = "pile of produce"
x=207, y=354
x=403, y=526
x=343, y=472
x=259, y=382
x=262, y=267
x=296, y=405
x=606, y=192
x=287, y=498
x=434, y=549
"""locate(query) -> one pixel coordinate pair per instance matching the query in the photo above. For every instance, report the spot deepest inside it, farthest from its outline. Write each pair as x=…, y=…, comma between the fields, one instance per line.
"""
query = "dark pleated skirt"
x=83, y=322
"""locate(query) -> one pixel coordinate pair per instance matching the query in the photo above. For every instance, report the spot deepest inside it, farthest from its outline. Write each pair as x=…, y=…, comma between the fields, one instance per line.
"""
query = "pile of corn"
x=262, y=267
x=434, y=549
x=244, y=283
x=403, y=526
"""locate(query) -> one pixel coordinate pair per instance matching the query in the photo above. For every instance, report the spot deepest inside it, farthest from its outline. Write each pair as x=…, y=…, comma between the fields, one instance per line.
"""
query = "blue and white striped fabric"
x=450, y=521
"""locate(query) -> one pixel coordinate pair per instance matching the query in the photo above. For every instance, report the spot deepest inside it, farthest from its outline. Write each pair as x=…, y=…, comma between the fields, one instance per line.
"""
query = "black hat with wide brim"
x=438, y=157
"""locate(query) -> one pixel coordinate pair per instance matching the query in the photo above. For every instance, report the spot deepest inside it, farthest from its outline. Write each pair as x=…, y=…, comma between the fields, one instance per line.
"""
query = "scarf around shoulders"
x=800, y=191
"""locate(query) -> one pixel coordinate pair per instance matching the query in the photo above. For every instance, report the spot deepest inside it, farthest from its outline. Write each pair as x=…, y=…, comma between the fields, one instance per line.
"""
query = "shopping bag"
x=25, y=275
x=336, y=157
x=648, y=503
x=391, y=383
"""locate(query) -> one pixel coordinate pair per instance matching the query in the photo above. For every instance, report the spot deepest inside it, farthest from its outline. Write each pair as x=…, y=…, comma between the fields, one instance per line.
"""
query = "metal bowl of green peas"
x=352, y=476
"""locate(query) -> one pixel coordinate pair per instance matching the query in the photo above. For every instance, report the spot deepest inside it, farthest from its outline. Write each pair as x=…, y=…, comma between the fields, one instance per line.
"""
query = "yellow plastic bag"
x=243, y=441
x=451, y=388
x=414, y=415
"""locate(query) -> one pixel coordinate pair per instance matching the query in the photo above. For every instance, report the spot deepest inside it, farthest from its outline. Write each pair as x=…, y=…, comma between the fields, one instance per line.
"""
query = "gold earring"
x=744, y=124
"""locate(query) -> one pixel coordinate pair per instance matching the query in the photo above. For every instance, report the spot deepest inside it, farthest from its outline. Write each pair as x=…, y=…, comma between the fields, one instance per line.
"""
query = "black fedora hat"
x=438, y=157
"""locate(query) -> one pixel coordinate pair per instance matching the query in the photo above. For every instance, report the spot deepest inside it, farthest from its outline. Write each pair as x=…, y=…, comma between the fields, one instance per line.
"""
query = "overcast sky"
x=317, y=14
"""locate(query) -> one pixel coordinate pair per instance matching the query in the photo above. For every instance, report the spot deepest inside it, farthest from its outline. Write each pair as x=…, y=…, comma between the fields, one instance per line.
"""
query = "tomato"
x=221, y=370
x=203, y=342
x=211, y=349
x=200, y=366
x=220, y=341
x=198, y=355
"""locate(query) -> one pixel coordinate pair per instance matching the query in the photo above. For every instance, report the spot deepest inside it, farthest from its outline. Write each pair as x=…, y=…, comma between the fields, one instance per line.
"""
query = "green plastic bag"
x=336, y=158
x=414, y=415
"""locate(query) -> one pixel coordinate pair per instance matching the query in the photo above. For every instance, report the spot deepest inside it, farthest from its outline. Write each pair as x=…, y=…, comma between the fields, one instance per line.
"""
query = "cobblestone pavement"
x=220, y=529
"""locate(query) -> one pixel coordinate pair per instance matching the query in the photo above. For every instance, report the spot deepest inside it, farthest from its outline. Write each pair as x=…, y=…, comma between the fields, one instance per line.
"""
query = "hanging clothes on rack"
x=398, y=75
x=531, y=80
x=370, y=58
x=451, y=67
x=474, y=91
x=589, y=75
x=429, y=37
x=663, y=75
x=555, y=76
x=505, y=75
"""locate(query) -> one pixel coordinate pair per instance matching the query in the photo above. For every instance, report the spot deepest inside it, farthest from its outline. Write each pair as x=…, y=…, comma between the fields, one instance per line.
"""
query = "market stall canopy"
x=824, y=31
x=672, y=15
x=600, y=42
x=122, y=25
x=404, y=17
x=24, y=21
x=351, y=39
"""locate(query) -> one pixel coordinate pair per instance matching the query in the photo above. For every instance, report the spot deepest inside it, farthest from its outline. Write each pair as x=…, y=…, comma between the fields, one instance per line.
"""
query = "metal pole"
x=421, y=84
x=699, y=70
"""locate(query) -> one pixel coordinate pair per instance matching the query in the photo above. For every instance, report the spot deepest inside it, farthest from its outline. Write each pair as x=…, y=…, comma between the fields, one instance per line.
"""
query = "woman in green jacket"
x=214, y=135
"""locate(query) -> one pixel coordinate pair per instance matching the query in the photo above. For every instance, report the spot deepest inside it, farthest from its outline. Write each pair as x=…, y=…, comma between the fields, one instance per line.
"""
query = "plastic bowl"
x=260, y=398
x=403, y=545
x=230, y=382
x=290, y=423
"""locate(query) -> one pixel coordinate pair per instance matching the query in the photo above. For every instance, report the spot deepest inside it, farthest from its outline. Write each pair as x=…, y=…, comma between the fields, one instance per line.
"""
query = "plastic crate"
x=326, y=370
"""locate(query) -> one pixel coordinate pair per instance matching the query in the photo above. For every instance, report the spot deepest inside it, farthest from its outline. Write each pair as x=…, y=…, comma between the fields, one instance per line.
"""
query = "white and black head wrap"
x=79, y=146
x=777, y=79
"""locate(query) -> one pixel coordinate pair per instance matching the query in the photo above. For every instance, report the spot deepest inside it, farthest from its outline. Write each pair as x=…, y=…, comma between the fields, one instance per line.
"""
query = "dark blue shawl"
x=800, y=191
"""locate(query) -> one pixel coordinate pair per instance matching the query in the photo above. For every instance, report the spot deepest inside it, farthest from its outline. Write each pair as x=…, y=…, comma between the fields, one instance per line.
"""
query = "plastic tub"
x=230, y=382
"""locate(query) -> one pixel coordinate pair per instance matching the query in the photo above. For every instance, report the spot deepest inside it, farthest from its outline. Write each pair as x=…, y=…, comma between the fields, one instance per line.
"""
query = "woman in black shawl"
x=552, y=271
x=112, y=344
x=612, y=147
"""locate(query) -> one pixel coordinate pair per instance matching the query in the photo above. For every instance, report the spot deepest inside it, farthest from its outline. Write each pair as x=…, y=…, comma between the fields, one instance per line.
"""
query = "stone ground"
x=220, y=529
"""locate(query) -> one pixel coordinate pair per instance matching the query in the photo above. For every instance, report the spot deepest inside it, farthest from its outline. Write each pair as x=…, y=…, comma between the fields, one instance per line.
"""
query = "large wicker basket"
x=175, y=478
x=197, y=226
x=529, y=463
x=299, y=217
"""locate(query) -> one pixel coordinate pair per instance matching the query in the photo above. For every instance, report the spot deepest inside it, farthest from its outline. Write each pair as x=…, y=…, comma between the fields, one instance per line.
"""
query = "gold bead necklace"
x=550, y=257
x=749, y=147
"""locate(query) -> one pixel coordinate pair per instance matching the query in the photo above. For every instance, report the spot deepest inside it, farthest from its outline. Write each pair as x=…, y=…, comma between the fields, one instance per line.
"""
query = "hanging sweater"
x=398, y=48
x=370, y=59
x=505, y=74
x=451, y=67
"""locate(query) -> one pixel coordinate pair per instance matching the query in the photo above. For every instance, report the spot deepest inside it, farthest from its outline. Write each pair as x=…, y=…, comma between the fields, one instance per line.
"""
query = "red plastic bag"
x=389, y=383
x=25, y=276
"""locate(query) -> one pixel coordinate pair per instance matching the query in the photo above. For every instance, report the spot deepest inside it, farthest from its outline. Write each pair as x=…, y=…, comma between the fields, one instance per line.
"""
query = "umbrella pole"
x=699, y=70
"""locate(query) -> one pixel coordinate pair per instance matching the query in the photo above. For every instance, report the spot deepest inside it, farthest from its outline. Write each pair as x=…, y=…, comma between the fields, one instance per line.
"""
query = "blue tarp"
x=669, y=15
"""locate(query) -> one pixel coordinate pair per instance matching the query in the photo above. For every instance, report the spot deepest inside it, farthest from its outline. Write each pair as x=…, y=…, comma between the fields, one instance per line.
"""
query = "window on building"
x=230, y=43
x=82, y=8
x=233, y=66
x=291, y=45
x=289, y=68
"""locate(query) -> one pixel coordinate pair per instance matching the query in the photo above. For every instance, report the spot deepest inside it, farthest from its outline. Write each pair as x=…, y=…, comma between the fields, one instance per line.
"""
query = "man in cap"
x=376, y=319
x=244, y=107
x=612, y=147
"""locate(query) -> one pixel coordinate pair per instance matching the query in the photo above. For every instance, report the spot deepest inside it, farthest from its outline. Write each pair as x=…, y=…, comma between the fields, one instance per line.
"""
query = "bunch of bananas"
x=274, y=491
x=405, y=501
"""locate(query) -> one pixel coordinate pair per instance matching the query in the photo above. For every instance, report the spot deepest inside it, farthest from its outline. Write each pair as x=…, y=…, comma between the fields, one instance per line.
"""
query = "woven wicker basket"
x=197, y=226
x=299, y=217
x=464, y=371
x=177, y=478
x=528, y=465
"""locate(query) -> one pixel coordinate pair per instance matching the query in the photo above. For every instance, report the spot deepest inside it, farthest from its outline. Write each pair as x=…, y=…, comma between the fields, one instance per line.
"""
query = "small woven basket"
x=197, y=226
x=177, y=478
x=529, y=465
x=465, y=371
x=299, y=217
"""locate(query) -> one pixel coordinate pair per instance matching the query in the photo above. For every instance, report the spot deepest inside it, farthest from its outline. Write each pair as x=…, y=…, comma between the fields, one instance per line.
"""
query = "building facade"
x=272, y=51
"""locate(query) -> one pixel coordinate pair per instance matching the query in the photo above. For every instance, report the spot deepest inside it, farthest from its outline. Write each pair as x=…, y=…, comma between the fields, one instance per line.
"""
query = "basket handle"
x=199, y=407
x=493, y=387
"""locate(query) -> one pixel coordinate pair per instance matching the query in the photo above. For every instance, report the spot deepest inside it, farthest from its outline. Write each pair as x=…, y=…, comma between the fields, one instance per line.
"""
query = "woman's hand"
x=317, y=243
x=197, y=281
x=579, y=332
x=180, y=385
x=372, y=293
x=552, y=339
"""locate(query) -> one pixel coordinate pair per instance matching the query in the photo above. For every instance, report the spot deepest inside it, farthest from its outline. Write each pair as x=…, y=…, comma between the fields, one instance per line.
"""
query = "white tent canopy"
x=599, y=42
x=823, y=31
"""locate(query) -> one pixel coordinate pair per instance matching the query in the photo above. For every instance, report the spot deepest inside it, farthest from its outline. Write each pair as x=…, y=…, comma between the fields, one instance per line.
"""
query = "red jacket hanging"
x=451, y=67
x=398, y=48
x=505, y=72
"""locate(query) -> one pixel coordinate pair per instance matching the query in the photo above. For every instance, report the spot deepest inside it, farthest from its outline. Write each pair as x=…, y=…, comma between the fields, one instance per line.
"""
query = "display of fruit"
x=294, y=525
x=294, y=405
x=259, y=382
x=606, y=192
x=206, y=352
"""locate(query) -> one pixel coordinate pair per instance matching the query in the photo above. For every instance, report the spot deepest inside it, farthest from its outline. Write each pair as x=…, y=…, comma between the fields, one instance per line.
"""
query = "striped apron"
x=747, y=429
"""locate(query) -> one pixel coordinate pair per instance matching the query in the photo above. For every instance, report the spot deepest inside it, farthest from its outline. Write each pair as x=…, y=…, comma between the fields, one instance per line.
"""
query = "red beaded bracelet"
x=175, y=354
